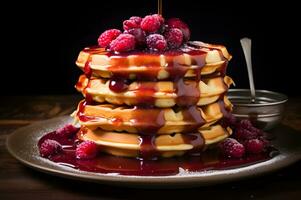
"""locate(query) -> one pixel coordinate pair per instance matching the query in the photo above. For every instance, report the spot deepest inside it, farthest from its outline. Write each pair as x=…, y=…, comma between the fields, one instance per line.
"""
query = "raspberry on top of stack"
x=150, y=92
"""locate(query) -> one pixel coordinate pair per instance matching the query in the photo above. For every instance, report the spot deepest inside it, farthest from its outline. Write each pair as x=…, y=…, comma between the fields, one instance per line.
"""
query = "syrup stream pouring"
x=246, y=45
x=160, y=7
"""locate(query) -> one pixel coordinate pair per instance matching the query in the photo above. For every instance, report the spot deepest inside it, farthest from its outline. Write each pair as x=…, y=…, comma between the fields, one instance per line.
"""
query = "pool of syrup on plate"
x=104, y=163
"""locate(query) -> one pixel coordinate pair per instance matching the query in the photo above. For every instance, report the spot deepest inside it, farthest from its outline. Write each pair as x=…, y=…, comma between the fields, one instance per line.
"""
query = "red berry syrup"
x=103, y=163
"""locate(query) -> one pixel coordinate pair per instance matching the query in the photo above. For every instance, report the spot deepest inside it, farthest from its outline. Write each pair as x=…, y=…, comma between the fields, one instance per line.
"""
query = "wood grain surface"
x=20, y=182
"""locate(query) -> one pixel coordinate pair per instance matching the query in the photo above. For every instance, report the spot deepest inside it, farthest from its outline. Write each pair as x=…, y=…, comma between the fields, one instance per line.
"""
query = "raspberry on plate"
x=174, y=37
x=49, y=147
x=244, y=134
x=245, y=123
x=177, y=23
x=229, y=120
x=86, y=150
x=245, y=130
x=254, y=146
x=124, y=42
x=150, y=23
x=66, y=131
x=231, y=148
x=107, y=37
x=156, y=42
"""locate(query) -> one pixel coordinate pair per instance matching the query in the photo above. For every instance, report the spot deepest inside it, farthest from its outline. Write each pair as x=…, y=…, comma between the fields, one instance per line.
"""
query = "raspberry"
x=86, y=150
x=244, y=134
x=245, y=130
x=265, y=142
x=160, y=18
x=245, y=123
x=156, y=42
x=49, y=147
x=124, y=42
x=161, y=45
x=229, y=120
x=139, y=35
x=174, y=37
x=254, y=146
x=136, y=19
x=257, y=131
x=129, y=24
x=66, y=131
x=150, y=23
x=133, y=22
x=177, y=23
x=107, y=37
x=231, y=148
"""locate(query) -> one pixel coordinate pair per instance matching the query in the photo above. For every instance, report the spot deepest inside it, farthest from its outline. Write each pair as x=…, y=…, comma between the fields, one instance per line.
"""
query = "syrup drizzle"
x=87, y=69
x=193, y=114
x=223, y=108
x=187, y=94
x=148, y=124
x=160, y=7
x=145, y=94
x=196, y=140
x=119, y=62
x=148, y=149
x=82, y=105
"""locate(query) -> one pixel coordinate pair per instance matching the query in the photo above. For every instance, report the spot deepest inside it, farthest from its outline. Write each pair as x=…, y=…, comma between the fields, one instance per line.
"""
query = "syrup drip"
x=226, y=113
x=145, y=94
x=222, y=106
x=196, y=140
x=82, y=105
x=148, y=124
x=81, y=112
x=87, y=68
x=91, y=50
x=193, y=114
x=148, y=149
x=187, y=94
x=79, y=84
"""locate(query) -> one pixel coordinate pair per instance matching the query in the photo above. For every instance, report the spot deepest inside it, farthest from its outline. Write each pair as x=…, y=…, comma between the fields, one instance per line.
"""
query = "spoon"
x=246, y=44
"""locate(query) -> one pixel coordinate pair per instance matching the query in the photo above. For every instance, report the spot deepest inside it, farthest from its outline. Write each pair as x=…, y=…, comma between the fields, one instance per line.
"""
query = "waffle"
x=161, y=121
x=211, y=58
x=124, y=144
x=163, y=93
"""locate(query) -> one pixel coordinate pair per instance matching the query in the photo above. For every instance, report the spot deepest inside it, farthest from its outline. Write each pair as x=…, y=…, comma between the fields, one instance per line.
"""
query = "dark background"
x=41, y=40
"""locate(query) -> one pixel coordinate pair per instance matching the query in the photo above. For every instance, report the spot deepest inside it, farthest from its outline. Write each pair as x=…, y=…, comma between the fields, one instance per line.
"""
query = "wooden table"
x=20, y=182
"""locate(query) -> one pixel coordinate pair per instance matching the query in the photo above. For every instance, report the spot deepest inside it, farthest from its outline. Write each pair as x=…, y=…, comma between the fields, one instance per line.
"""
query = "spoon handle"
x=246, y=44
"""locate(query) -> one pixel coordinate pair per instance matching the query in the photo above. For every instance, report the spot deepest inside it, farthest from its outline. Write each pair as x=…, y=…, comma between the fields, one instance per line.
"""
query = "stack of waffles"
x=151, y=104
